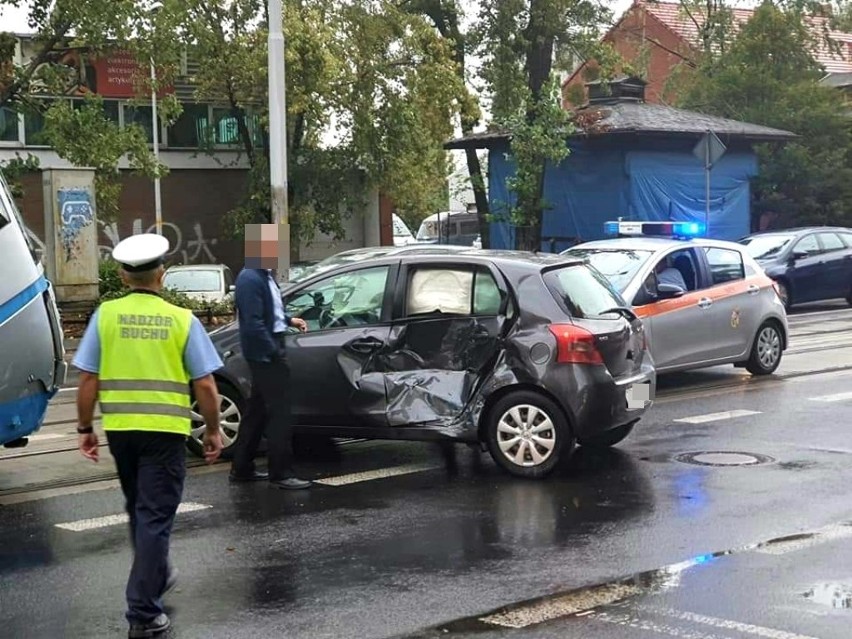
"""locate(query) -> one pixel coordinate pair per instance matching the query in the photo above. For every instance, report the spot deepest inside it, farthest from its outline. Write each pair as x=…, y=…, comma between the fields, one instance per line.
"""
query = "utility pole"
x=155, y=127
x=278, y=136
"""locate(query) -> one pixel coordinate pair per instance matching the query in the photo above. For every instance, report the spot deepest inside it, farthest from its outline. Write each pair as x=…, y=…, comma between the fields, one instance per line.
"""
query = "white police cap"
x=141, y=252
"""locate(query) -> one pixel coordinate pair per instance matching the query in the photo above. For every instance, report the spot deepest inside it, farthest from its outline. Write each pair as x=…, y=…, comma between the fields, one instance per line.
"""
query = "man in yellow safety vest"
x=138, y=358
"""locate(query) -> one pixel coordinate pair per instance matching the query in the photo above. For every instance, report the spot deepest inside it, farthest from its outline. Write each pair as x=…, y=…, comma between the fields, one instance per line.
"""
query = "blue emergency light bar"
x=659, y=229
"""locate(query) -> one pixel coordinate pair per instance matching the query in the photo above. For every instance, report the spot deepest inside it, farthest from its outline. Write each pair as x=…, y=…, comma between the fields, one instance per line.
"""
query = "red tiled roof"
x=676, y=18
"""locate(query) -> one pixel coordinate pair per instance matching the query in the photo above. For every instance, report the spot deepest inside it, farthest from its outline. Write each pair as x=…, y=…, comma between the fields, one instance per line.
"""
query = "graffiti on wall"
x=75, y=212
x=192, y=248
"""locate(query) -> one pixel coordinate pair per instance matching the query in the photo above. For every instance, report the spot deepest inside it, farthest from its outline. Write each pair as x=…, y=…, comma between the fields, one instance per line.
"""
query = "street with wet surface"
x=725, y=515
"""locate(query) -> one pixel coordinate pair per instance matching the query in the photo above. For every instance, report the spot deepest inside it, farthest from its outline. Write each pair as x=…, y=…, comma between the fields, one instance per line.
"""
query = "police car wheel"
x=766, y=350
x=527, y=434
x=231, y=411
x=609, y=438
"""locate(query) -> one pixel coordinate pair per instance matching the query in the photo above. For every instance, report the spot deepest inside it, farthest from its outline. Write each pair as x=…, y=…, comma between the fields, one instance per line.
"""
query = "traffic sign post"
x=709, y=150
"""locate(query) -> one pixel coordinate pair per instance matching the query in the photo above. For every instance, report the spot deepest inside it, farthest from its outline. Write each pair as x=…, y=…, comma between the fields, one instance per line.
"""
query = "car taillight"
x=575, y=345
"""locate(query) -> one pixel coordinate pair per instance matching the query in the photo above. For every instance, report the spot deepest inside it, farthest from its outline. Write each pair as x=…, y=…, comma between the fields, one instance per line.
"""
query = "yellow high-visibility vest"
x=143, y=383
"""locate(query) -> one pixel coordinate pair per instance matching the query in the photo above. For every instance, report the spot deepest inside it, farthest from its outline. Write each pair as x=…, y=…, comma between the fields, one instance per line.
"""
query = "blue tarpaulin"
x=592, y=186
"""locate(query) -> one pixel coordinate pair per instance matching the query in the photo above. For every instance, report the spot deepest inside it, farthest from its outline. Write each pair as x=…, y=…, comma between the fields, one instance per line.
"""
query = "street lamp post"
x=155, y=126
x=278, y=135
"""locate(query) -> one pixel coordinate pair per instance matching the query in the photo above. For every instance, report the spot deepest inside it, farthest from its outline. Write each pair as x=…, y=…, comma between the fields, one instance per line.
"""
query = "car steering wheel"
x=326, y=317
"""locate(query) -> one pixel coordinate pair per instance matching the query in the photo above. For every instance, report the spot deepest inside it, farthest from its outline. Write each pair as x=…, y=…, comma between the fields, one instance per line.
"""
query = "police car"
x=704, y=302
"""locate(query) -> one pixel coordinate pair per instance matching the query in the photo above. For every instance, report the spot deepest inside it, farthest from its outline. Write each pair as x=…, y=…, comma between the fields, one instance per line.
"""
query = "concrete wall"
x=194, y=205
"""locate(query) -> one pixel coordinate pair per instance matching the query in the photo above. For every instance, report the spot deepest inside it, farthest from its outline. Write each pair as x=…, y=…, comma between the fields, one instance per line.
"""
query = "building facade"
x=208, y=172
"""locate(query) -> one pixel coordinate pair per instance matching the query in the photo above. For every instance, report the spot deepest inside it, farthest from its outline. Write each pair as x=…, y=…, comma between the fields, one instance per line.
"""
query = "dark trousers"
x=151, y=468
x=268, y=411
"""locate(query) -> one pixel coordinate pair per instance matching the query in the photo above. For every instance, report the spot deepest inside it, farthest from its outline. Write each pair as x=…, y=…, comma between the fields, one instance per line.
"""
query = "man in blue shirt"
x=263, y=324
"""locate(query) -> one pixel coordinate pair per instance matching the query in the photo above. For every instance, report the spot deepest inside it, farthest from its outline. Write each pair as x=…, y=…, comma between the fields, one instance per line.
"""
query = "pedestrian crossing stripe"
x=114, y=520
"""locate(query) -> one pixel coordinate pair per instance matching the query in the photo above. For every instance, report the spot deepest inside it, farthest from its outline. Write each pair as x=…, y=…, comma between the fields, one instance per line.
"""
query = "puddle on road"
x=832, y=595
x=578, y=602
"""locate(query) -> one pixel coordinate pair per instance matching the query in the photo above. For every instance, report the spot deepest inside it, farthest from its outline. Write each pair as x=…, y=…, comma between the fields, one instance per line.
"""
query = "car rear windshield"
x=582, y=292
x=619, y=266
x=765, y=246
x=193, y=281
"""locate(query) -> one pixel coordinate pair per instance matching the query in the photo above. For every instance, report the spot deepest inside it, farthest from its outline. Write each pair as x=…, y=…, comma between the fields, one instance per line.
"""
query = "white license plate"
x=638, y=395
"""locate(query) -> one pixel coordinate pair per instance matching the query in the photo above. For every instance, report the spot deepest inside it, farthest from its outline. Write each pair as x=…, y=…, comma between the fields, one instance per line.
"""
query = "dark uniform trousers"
x=269, y=411
x=151, y=468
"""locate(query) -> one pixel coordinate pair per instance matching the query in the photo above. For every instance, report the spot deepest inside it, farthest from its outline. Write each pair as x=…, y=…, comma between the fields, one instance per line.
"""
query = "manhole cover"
x=833, y=595
x=723, y=458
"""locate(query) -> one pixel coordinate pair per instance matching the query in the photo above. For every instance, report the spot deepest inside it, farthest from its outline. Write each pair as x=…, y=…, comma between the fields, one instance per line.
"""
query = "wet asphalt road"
x=623, y=538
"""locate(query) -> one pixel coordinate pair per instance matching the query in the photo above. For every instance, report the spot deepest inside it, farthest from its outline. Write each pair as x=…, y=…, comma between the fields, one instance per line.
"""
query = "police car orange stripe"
x=720, y=291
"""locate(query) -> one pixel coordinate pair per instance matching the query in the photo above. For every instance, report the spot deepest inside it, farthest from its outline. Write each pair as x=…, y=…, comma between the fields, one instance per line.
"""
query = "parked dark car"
x=529, y=354
x=809, y=264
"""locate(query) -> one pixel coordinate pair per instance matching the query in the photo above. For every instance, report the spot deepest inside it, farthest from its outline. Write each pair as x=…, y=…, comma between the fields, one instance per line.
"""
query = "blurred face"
x=261, y=246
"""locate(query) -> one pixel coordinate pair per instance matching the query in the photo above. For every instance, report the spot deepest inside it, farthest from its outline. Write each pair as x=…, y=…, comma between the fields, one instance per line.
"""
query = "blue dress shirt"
x=280, y=324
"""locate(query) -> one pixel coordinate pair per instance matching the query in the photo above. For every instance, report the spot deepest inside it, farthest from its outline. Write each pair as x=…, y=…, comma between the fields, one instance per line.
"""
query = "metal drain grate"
x=723, y=458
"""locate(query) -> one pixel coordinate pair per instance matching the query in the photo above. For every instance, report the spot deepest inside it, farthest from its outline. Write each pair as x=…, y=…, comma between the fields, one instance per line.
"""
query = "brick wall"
x=645, y=42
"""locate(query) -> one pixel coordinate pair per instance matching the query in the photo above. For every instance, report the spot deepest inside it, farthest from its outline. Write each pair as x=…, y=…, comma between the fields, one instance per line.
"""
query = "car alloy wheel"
x=230, y=418
x=766, y=352
x=527, y=433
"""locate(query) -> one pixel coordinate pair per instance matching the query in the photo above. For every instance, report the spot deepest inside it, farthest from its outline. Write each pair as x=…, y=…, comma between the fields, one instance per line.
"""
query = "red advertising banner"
x=115, y=74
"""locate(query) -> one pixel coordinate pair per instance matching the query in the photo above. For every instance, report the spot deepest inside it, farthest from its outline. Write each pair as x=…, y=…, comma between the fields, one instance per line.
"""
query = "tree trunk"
x=445, y=17
x=538, y=66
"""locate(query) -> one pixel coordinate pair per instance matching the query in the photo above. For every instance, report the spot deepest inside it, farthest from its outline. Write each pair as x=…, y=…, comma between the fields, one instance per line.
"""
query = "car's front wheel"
x=527, y=434
x=231, y=412
x=766, y=350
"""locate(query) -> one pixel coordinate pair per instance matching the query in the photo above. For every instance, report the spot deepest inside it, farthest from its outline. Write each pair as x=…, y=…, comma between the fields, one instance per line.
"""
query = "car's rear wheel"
x=609, y=438
x=766, y=350
x=527, y=434
x=231, y=412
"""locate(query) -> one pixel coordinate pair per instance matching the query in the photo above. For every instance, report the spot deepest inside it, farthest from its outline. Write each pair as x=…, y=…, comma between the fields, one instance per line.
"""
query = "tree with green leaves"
x=520, y=41
x=371, y=96
x=447, y=17
x=81, y=134
x=768, y=76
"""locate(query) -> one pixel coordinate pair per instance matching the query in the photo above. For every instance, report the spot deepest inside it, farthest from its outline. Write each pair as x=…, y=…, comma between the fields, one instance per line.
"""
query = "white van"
x=401, y=234
x=449, y=227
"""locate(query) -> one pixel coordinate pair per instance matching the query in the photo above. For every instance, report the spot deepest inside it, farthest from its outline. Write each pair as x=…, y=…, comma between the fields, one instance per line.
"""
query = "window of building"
x=142, y=116
x=34, y=125
x=191, y=129
x=8, y=125
x=225, y=128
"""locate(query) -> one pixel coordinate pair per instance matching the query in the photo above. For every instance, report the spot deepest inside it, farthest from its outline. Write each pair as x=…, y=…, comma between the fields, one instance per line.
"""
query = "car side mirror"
x=232, y=288
x=799, y=255
x=669, y=291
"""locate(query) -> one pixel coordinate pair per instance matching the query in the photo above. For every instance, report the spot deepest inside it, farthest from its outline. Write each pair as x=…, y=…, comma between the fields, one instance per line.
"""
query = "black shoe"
x=255, y=476
x=291, y=483
x=151, y=629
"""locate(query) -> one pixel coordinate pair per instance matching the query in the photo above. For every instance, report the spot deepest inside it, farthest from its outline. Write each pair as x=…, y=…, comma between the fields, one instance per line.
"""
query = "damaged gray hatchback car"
x=528, y=354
